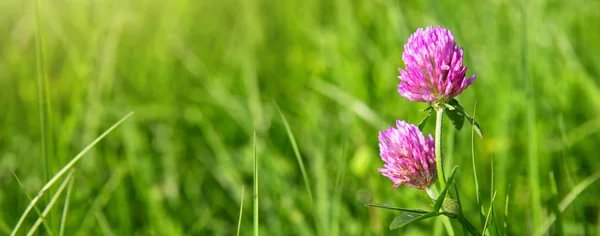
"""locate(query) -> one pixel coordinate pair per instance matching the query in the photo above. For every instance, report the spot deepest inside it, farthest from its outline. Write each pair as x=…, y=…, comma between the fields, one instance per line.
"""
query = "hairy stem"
x=438, y=147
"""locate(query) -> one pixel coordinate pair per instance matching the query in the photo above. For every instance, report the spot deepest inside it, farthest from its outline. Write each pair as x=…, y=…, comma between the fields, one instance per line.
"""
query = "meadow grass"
x=201, y=77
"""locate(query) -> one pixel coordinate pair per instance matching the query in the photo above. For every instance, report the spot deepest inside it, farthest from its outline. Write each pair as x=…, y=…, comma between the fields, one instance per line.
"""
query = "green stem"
x=468, y=225
x=438, y=147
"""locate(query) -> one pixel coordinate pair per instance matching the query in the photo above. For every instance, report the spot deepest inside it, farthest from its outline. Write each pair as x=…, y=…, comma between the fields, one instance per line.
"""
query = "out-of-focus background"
x=201, y=77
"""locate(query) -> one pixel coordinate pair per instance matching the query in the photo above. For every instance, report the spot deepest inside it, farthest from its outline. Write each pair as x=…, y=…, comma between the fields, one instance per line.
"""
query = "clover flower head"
x=434, y=67
x=409, y=157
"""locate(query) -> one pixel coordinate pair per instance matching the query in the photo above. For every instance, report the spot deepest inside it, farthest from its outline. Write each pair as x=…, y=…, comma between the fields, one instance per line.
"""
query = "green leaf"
x=386, y=206
x=429, y=108
x=455, y=113
x=459, y=109
x=450, y=107
x=457, y=117
x=408, y=218
x=424, y=121
x=475, y=125
x=440, y=200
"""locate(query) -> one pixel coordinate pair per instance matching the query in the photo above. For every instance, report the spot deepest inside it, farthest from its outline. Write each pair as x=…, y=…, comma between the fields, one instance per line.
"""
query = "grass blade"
x=103, y=224
x=241, y=210
x=41, y=83
x=562, y=206
x=351, y=103
x=567, y=200
x=43, y=96
x=554, y=205
x=487, y=218
x=37, y=210
x=575, y=135
x=506, y=202
x=255, y=197
x=4, y=227
x=102, y=198
x=579, y=214
x=63, y=220
x=337, y=192
x=297, y=153
x=51, y=204
x=386, y=206
x=307, y=184
x=477, y=192
x=533, y=162
x=493, y=225
x=466, y=224
x=64, y=170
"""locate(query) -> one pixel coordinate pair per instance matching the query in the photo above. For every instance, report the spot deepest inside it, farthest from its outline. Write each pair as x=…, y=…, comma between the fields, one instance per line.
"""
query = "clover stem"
x=438, y=147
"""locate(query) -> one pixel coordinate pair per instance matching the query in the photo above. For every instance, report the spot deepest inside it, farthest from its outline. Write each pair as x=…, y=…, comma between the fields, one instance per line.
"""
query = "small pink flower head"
x=409, y=157
x=434, y=67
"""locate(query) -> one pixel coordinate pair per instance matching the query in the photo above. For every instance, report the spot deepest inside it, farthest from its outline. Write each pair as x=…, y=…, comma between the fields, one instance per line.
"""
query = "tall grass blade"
x=351, y=103
x=477, y=191
x=487, y=218
x=337, y=192
x=43, y=96
x=103, y=224
x=102, y=198
x=575, y=135
x=554, y=205
x=297, y=153
x=241, y=211
x=567, y=200
x=506, y=202
x=466, y=224
x=533, y=162
x=37, y=210
x=63, y=220
x=66, y=168
x=255, y=195
x=493, y=225
x=579, y=214
x=4, y=227
x=51, y=203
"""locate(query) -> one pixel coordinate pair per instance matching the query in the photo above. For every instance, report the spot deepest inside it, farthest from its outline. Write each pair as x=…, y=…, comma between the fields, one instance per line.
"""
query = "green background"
x=201, y=77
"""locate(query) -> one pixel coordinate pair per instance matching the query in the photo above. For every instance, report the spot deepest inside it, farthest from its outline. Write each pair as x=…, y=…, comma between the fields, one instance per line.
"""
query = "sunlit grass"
x=62, y=172
x=201, y=77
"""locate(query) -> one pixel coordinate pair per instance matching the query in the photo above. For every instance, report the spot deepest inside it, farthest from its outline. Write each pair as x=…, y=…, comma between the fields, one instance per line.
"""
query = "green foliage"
x=423, y=121
x=201, y=77
x=413, y=215
x=255, y=196
x=386, y=206
x=408, y=218
x=440, y=200
x=457, y=115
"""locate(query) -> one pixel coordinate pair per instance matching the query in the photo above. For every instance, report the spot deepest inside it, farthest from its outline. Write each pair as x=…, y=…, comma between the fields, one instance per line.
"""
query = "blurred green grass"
x=201, y=77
